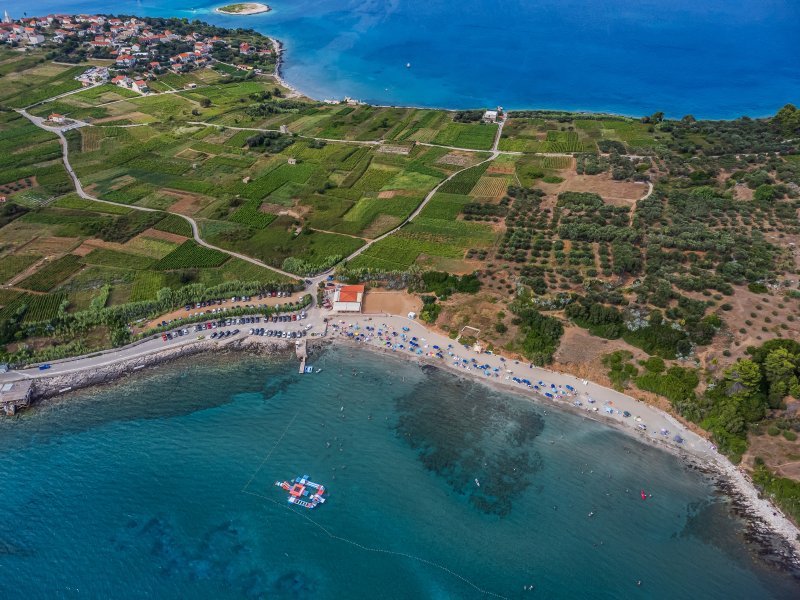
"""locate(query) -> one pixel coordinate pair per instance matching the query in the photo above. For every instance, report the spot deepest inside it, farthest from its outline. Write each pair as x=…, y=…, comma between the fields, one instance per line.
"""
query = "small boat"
x=408, y=65
x=644, y=496
x=478, y=483
x=317, y=370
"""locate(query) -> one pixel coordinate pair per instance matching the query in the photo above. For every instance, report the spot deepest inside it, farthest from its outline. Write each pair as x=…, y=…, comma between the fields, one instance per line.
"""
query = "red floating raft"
x=303, y=492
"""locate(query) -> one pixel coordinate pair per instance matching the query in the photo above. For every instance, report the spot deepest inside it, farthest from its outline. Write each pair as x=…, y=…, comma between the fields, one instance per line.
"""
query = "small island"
x=244, y=8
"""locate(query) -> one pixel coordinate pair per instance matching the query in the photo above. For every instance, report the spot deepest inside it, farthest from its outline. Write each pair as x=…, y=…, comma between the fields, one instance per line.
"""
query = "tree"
x=746, y=375
x=788, y=119
x=764, y=193
x=780, y=368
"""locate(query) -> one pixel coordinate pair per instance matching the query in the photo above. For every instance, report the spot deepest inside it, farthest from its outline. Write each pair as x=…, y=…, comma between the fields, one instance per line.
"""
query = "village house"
x=140, y=85
x=57, y=119
x=490, y=116
x=122, y=81
x=125, y=60
x=183, y=58
x=34, y=39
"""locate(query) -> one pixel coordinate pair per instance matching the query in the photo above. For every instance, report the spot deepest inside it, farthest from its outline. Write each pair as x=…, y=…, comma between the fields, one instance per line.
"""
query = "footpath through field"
x=59, y=131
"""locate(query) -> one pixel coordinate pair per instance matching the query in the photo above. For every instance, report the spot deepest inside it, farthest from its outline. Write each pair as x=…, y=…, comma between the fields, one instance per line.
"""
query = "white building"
x=348, y=298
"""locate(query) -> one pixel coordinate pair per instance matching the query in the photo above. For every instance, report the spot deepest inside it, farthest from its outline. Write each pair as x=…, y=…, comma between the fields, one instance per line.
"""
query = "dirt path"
x=636, y=204
x=29, y=271
x=39, y=122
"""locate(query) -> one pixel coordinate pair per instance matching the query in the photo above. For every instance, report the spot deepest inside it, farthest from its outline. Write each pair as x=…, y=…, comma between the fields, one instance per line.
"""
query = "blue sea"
x=162, y=486
x=710, y=58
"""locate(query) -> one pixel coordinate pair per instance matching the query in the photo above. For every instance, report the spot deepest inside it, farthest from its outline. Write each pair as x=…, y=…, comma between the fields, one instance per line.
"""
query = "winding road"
x=59, y=131
x=495, y=153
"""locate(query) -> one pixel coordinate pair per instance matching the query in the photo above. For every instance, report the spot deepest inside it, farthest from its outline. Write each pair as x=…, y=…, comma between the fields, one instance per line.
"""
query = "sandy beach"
x=566, y=392
x=411, y=340
x=243, y=9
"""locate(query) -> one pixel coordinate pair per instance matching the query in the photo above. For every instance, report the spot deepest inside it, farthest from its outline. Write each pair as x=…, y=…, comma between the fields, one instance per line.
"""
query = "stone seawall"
x=48, y=387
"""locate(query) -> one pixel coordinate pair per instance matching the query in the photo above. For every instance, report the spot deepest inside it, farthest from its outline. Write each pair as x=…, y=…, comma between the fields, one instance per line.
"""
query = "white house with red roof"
x=348, y=298
x=140, y=85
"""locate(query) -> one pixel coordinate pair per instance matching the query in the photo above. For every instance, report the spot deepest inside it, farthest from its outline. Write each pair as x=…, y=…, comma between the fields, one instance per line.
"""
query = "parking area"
x=273, y=326
x=218, y=306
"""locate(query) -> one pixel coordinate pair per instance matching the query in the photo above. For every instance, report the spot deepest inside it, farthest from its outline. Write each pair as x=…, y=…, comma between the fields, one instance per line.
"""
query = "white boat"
x=478, y=483
x=408, y=65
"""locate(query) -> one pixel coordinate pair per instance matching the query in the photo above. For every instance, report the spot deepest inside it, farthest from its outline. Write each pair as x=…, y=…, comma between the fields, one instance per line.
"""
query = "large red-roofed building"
x=348, y=298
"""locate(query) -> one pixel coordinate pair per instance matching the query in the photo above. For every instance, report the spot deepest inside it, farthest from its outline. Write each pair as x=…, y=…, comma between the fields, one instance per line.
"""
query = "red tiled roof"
x=349, y=293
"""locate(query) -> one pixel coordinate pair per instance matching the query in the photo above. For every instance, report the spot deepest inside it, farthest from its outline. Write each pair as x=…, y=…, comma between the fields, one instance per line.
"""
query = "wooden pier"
x=301, y=348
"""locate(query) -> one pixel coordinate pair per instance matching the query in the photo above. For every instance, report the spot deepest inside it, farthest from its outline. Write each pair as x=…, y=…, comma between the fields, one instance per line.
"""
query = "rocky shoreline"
x=45, y=388
x=771, y=536
x=278, y=48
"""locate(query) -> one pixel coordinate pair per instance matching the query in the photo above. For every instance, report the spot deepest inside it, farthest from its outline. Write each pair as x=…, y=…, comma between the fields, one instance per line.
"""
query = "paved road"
x=59, y=131
x=78, y=91
x=501, y=370
x=152, y=346
x=324, y=275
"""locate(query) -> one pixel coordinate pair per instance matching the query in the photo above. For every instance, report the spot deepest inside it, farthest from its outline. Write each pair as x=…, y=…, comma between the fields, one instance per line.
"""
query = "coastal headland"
x=243, y=9
x=559, y=238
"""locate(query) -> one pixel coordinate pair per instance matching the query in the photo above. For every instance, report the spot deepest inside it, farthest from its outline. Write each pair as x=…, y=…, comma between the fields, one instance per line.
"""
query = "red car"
x=164, y=336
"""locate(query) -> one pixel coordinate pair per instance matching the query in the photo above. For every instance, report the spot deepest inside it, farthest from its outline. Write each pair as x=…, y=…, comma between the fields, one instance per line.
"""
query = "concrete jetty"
x=301, y=348
x=15, y=395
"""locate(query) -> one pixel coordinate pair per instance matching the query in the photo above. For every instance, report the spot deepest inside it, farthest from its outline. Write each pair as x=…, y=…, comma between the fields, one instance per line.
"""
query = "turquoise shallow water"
x=713, y=59
x=161, y=486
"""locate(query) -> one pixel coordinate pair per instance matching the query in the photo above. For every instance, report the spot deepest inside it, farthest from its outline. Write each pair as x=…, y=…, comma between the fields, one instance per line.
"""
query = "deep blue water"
x=710, y=58
x=162, y=487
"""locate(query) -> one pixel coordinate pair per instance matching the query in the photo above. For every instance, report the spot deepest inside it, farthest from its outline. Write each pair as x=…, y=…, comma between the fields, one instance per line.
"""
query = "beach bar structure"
x=15, y=395
x=348, y=298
